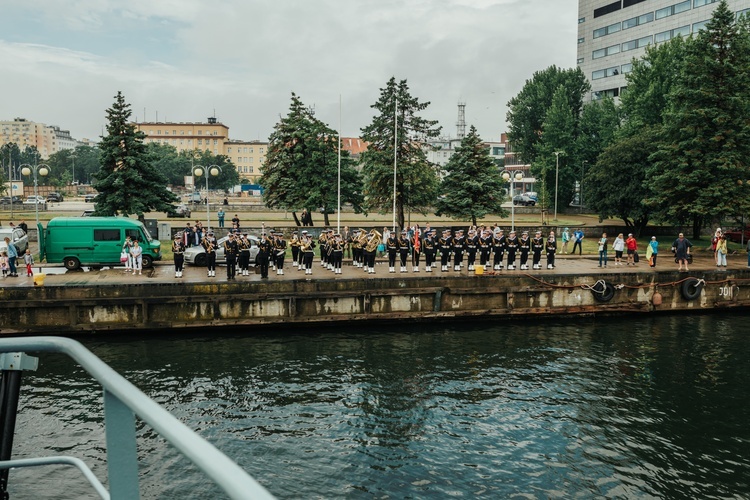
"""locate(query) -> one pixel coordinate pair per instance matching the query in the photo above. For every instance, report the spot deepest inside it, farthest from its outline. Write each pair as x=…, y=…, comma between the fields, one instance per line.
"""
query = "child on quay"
x=4, y=264
x=28, y=259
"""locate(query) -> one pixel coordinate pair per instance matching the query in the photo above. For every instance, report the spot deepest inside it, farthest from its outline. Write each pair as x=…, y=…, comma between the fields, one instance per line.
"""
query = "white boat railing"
x=122, y=403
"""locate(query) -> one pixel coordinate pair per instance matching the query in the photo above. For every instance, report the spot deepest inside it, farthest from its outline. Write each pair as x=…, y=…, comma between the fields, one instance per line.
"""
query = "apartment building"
x=248, y=156
x=611, y=34
x=25, y=133
x=209, y=136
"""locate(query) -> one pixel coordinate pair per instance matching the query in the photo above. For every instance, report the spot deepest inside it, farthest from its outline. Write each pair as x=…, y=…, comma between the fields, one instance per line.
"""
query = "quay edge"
x=73, y=309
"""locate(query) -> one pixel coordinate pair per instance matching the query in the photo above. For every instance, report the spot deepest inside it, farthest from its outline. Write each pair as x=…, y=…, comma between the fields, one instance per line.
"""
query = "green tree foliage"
x=615, y=184
x=700, y=167
x=127, y=183
x=84, y=160
x=527, y=112
x=301, y=167
x=168, y=162
x=416, y=178
x=557, y=131
x=473, y=186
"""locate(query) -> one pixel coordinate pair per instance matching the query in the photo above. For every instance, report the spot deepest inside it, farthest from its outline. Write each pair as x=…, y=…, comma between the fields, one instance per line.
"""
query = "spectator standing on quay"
x=632, y=245
x=652, y=250
x=4, y=264
x=23, y=226
x=12, y=256
x=578, y=235
x=28, y=259
x=126, y=248
x=603, y=250
x=714, y=242
x=721, y=251
x=551, y=250
x=681, y=249
x=136, y=253
x=565, y=240
x=220, y=214
x=235, y=222
x=618, y=246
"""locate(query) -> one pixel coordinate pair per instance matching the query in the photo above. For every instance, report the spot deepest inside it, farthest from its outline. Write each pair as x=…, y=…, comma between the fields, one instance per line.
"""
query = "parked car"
x=197, y=255
x=35, y=200
x=89, y=198
x=523, y=199
x=194, y=198
x=88, y=212
x=56, y=197
x=181, y=210
x=736, y=235
x=17, y=237
x=5, y=200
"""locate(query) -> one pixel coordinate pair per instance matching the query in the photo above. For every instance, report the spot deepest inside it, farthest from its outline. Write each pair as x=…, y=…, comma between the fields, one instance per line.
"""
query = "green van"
x=93, y=241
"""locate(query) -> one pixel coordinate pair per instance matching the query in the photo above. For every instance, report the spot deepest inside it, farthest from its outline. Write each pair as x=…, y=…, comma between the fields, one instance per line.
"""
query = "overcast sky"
x=63, y=61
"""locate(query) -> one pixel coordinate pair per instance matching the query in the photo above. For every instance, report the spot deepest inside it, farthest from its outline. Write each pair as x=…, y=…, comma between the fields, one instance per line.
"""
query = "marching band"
x=490, y=247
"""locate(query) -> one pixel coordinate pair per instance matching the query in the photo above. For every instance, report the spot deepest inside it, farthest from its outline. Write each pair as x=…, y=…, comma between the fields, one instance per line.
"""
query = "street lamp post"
x=512, y=178
x=37, y=170
x=212, y=170
x=557, y=172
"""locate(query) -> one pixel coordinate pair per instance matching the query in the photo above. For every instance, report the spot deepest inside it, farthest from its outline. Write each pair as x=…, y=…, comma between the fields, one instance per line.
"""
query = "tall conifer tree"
x=127, y=183
x=473, y=187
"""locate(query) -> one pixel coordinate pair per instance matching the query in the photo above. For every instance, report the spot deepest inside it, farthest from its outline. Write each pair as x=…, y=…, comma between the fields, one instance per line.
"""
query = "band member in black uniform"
x=323, y=248
x=209, y=244
x=307, y=250
x=178, y=249
x=498, y=249
x=551, y=250
x=231, y=249
x=403, y=249
x=524, y=245
x=444, y=245
x=416, y=248
x=429, y=248
x=357, y=248
x=458, y=243
x=264, y=255
x=301, y=255
x=485, y=247
x=337, y=252
x=537, y=245
x=511, y=245
x=244, y=259
x=391, y=246
x=294, y=244
x=279, y=247
x=472, y=245
x=374, y=239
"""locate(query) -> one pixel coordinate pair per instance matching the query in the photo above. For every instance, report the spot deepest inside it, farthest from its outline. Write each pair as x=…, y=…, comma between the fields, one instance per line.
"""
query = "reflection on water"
x=619, y=408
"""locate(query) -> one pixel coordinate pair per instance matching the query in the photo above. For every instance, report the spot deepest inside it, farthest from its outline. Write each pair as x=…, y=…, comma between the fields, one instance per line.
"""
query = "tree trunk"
x=326, y=222
x=296, y=219
x=697, y=225
x=473, y=220
x=400, y=219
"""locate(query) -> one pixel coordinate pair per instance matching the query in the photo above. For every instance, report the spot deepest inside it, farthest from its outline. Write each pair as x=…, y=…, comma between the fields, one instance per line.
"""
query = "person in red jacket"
x=631, y=245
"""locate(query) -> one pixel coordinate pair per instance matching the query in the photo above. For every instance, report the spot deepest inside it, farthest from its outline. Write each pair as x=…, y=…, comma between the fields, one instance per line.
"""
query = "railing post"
x=122, y=455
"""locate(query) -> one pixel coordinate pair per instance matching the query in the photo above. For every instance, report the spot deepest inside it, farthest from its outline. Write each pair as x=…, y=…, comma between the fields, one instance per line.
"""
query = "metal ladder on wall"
x=122, y=403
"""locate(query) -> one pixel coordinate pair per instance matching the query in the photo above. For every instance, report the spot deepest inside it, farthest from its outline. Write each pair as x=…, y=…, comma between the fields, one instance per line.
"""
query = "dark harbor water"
x=626, y=408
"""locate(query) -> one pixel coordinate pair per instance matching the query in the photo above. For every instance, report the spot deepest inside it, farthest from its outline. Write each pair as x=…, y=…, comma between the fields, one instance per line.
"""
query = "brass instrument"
x=374, y=239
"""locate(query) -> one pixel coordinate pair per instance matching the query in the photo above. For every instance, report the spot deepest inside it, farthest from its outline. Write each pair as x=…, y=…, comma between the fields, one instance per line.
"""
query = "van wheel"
x=147, y=261
x=71, y=263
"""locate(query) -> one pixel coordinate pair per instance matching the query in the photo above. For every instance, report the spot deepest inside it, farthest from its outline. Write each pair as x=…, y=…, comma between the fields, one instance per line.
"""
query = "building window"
x=229, y=150
x=637, y=21
x=666, y=35
x=626, y=68
x=581, y=40
x=200, y=142
x=607, y=30
x=158, y=132
x=251, y=170
x=581, y=20
x=636, y=44
x=260, y=150
x=701, y=3
x=612, y=93
x=174, y=132
x=579, y=60
x=607, y=9
x=216, y=141
x=200, y=132
x=250, y=160
x=673, y=9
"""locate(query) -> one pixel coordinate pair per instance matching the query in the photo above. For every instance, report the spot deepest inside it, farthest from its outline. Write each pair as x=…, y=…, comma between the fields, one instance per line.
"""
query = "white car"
x=197, y=254
x=17, y=237
x=35, y=200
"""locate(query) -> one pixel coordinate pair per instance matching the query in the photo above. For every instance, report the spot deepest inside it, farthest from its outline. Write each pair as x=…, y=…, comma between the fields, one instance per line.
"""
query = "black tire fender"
x=603, y=291
x=691, y=288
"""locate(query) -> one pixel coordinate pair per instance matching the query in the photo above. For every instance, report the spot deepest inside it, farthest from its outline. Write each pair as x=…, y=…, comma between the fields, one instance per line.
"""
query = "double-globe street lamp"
x=212, y=170
x=37, y=170
x=512, y=178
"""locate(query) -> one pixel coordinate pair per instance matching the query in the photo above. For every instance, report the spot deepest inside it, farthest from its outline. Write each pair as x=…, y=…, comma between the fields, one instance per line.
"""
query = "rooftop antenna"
x=461, y=123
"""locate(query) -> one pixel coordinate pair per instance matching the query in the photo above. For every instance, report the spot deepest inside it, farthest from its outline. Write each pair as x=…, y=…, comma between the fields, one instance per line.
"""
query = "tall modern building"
x=611, y=34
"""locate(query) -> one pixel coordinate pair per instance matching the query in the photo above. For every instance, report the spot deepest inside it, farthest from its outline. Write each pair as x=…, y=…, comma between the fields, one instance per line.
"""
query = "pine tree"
x=473, y=186
x=127, y=183
x=700, y=169
x=301, y=168
x=416, y=179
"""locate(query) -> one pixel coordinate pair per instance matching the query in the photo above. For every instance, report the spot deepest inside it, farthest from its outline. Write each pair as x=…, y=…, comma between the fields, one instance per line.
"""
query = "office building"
x=611, y=34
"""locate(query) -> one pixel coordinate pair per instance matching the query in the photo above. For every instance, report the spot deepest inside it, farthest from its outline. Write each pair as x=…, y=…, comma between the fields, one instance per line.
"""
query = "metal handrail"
x=122, y=400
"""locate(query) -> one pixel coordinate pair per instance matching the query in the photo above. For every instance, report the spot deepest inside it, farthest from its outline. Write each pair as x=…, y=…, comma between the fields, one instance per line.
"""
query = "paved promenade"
x=163, y=272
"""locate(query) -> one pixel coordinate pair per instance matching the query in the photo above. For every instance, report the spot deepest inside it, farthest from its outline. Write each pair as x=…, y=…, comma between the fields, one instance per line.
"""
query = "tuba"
x=374, y=239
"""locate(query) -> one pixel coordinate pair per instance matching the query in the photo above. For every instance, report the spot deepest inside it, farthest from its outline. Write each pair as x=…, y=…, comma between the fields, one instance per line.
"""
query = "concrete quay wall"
x=157, y=305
